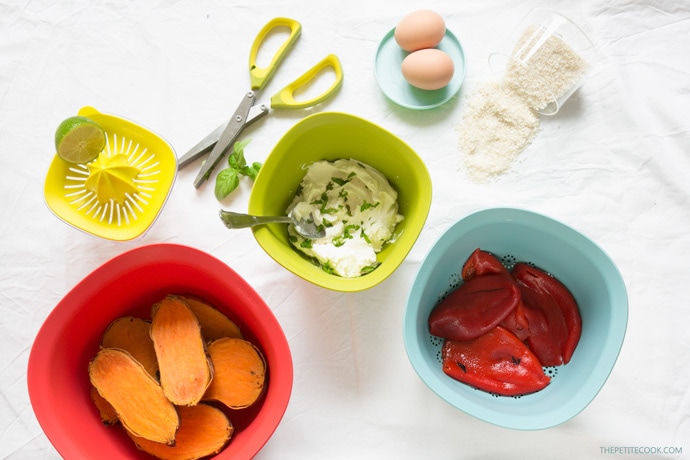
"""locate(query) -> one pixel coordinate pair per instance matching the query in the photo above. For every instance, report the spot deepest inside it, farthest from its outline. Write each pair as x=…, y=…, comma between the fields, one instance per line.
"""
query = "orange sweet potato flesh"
x=184, y=367
x=105, y=409
x=137, y=398
x=214, y=324
x=133, y=335
x=239, y=373
x=204, y=430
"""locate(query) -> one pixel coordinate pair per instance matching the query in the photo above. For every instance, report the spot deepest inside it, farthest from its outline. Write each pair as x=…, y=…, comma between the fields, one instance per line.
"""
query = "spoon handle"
x=238, y=220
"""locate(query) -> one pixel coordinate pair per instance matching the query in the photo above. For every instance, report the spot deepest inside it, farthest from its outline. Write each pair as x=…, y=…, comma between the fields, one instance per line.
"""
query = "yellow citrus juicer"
x=120, y=194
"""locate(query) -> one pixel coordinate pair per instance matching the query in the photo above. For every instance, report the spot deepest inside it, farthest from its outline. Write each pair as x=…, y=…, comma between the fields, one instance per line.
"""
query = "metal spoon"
x=305, y=227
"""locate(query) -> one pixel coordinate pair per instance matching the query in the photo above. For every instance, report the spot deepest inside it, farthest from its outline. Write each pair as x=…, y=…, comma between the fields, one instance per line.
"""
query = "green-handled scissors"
x=222, y=139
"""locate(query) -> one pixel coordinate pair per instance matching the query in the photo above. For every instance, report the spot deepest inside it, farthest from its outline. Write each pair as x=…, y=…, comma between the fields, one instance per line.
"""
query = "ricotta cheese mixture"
x=357, y=207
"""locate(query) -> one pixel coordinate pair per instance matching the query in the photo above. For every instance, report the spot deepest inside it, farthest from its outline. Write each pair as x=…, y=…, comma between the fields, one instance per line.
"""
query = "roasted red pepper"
x=500, y=327
x=547, y=329
x=474, y=308
x=552, y=313
x=497, y=362
x=482, y=262
x=517, y=322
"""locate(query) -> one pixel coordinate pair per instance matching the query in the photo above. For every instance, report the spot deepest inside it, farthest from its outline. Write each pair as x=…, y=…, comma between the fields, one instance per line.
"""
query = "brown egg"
x=428, y=69
x=420, y=29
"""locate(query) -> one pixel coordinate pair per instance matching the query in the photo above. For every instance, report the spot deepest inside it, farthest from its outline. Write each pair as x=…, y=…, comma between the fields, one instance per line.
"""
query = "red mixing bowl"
x=129, y=284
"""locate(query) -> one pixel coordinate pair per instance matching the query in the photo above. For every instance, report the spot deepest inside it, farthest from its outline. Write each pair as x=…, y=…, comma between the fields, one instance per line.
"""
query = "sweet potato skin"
x=135, y=396
x=184, y=367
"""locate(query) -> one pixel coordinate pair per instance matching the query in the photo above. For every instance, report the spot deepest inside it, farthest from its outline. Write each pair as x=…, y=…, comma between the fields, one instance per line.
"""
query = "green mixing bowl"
x=330, y=136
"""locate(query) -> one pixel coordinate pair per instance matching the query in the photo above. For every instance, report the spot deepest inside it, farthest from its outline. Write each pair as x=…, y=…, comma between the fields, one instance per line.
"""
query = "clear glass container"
x=547, y=58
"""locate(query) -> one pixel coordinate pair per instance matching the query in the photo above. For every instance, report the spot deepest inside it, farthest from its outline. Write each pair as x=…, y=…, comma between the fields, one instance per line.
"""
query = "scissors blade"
x=202, y=147
x=206, y=144
x=232, y=130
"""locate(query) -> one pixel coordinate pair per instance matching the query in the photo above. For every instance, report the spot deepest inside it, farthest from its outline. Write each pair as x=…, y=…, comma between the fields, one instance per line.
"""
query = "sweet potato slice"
x=204, y=430
x=132, y=334
x=184, y=367
x=239, y=373
x=137, y=398
x=214, y=324
x=105, y=409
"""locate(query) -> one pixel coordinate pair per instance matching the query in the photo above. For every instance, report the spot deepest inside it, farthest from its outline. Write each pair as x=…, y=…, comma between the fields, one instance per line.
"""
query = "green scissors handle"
x=260, y=75
x=285, y=98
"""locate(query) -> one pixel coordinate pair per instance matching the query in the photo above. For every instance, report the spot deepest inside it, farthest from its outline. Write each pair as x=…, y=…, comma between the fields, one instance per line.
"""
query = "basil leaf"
x=251, y=171
x=229, y=178
x=236, y=158
x=226, y=182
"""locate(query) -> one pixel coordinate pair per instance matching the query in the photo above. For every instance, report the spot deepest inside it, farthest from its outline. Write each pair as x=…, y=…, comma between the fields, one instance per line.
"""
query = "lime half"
x=79, y=140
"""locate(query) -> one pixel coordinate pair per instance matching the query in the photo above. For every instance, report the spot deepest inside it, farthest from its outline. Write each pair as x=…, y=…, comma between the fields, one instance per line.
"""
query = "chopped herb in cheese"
x=357, y=207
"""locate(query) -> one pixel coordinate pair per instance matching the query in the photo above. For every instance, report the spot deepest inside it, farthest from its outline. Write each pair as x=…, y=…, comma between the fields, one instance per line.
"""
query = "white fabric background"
x=614, y=164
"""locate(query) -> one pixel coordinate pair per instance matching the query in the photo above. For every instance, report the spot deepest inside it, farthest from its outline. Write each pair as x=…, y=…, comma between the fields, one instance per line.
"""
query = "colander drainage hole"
x=551, y=371
x=508, y=261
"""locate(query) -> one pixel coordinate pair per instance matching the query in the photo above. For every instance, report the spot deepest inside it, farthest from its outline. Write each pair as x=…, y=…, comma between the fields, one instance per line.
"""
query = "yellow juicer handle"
x=285, y=98
x=260, y=75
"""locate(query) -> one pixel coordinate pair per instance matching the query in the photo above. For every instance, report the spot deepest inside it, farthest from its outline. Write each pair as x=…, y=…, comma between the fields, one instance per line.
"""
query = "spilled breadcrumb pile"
x=496, y=127
x=501, y=118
